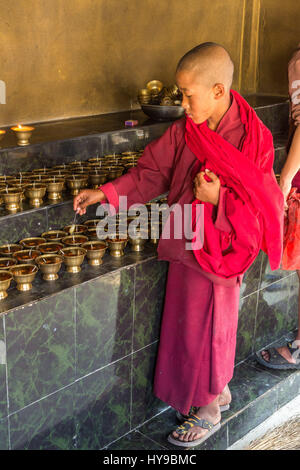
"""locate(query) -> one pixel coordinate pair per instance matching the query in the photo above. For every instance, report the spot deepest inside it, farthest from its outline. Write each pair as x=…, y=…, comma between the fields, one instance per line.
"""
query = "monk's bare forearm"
x=292, y=164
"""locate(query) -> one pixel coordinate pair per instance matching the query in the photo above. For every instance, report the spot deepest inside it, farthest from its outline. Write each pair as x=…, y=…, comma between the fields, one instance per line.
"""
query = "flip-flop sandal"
x=277, y=361
x=192, y=421
x=181, y=417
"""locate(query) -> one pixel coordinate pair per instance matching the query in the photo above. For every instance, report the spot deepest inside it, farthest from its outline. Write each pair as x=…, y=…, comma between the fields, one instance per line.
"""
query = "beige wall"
x=66, y=58
x=279, y=35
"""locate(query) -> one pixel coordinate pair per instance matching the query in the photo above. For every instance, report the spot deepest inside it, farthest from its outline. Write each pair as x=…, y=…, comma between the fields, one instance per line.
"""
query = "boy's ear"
x=219, y=90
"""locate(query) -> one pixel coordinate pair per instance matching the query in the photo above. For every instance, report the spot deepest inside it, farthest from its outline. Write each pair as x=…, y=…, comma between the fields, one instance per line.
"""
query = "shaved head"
x=210, y=63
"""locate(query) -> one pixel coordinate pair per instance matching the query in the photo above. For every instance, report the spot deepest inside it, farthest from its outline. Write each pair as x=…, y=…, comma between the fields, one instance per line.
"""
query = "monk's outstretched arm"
x=152, y=175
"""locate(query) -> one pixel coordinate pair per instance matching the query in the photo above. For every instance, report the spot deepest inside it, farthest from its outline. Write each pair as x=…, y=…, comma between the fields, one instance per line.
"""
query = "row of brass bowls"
x=74, y=176
x=49, y=255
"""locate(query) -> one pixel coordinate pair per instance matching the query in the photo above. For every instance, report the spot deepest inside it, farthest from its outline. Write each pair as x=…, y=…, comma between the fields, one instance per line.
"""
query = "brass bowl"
x=91, y=223
x=32, y=242
x=9, y=249
x=75, y=183
x=95, y=159
x=115, y=172
x=23, y=134
x=5, y=280
x=96, y=178
x=74, y=240
x=26, y=256
x=95, y=251
x=50, y=265
x=75, y=229
x=154, y=86
x=35, y=193
x=50, y=247
x=41, y=171
x=56, y=235
x=138, y=241
x=7, y=263
x=55, y=188
x=73, y=258
x=24, y=274
x=116, y=246
x=12, y=199
x=92, y=233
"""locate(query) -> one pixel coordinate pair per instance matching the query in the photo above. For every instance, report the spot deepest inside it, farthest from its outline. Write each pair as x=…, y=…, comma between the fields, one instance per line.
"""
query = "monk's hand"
x=87, y=197
x=207, y=191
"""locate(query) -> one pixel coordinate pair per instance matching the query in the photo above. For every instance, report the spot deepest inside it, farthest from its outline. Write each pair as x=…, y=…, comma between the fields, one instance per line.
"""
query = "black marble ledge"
x=81, y=138
x=42, y=289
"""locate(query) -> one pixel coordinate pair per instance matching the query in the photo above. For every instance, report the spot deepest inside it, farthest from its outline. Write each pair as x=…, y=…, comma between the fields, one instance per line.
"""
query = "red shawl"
x=252, y=191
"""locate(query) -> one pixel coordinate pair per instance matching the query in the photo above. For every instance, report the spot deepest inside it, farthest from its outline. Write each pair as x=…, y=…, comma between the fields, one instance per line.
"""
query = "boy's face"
x=198, y=100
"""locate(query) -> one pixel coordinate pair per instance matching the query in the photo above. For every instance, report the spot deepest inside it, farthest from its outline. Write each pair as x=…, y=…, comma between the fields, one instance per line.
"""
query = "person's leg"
x=284, y=350
x=197, y=346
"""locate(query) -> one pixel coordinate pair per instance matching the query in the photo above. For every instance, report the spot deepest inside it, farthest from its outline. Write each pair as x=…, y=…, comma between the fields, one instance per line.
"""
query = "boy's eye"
x=188, y=96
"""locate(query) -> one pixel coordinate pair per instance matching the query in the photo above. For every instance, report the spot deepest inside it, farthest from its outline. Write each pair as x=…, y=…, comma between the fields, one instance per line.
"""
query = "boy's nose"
x=185, y=104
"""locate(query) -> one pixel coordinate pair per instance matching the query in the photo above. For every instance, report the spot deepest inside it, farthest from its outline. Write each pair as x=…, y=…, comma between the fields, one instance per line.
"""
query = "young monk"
x=219, y=155
x=287, y=356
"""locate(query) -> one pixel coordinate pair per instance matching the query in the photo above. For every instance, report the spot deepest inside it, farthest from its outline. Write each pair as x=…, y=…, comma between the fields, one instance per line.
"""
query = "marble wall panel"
x=104, y=319
x=40, y=341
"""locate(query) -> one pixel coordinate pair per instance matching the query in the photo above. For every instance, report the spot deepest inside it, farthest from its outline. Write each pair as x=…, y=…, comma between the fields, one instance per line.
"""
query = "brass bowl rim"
x=51, y=243
x=50, y=255
x=2, y=258
x=32, y=238
x=24, y=251
x=24, y=266
x=53, y=231
x=69, y=248
x=10, y=245
x=74, y=236
x=91, y=220
x=90, y=242
x=154, y=85
x=8, y=273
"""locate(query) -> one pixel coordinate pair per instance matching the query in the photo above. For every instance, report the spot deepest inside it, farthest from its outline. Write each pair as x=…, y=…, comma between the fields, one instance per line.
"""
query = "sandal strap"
x=274, y=354
x=193, y=421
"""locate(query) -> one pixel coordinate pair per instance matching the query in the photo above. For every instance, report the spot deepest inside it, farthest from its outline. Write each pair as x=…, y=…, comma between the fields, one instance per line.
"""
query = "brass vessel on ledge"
x=50, y=248
x=7, y=263
x=49, y=265
x=95, y=252
x=73, y=258
x=116, y=246
x=9, y=249
x=97, y=177
x=76, y=182
x=56, y=235
x=24, y=274
x=55, y=188
x=35, y=193
x=32, y=242
x=5, y=280
x=26, y=256
x=12, y=199
x=75, y=229
x=74, y=240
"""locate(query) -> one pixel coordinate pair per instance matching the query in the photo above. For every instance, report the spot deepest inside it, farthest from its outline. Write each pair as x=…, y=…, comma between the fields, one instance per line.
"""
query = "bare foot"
x=283, y=351
x=225, y=397
x=211, y=413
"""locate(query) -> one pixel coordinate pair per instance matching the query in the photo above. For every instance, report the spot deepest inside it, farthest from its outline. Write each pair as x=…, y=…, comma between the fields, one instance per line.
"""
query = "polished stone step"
x=257, y=393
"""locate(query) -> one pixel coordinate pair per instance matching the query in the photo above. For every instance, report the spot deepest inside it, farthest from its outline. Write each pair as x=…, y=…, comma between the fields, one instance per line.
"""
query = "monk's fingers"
x=212, y=175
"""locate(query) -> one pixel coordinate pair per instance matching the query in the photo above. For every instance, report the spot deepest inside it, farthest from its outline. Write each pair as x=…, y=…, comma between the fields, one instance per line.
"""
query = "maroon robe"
x=198, y=332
